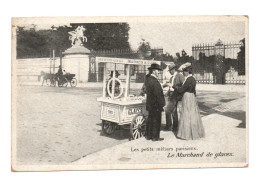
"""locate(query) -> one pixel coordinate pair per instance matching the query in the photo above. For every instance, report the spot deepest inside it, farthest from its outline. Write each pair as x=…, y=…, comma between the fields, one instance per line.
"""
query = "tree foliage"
x=146, y=52
x=106, y=36
x=144, y=49
x=32, y=43
x=164, y=57
x=183, y=58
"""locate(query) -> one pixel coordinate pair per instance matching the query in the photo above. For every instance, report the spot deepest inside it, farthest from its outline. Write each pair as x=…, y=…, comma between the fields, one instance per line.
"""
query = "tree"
x=144, y=49
x=30, y=43
x=183, y=58
x=106, y=36
x=164, y=57
x=58, y=38
x=38, y=43
x=178, y=55
x=183, y=53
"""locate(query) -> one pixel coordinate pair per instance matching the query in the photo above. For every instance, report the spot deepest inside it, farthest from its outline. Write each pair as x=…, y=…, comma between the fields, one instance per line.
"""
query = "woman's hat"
x=172, y=66
x=155, y=66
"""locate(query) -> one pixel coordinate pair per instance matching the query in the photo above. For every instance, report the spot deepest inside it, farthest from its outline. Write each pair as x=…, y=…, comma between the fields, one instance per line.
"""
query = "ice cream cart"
x=118, y=107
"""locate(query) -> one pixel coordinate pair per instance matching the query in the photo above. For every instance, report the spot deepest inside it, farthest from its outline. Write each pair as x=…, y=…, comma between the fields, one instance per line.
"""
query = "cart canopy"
x=126, y=61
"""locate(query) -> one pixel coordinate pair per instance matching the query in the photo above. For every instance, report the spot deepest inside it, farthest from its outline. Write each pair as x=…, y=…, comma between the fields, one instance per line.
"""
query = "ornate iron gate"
x=92, y=77
x=212, y=63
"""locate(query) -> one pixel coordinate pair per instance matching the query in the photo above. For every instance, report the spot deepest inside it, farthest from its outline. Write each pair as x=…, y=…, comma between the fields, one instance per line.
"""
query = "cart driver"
x=60, y=72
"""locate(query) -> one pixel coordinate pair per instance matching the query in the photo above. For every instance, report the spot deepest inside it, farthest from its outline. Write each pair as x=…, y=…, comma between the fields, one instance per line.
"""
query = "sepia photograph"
x=103, y=93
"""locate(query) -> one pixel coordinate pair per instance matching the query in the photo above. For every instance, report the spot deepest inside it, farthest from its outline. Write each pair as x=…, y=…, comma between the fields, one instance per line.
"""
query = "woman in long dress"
x=190, y=124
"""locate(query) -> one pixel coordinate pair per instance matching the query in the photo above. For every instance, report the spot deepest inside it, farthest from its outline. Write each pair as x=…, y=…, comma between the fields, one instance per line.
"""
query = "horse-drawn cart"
x=63, y=80
x=60, y=80
x=118, y=107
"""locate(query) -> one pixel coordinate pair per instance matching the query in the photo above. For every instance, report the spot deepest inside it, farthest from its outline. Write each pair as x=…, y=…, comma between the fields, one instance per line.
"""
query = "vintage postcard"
x=94, y=93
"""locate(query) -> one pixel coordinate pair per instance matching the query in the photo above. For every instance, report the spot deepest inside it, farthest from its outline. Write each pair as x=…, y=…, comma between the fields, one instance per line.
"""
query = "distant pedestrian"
x=190, y=124
x=117, y=84
x=154, y=103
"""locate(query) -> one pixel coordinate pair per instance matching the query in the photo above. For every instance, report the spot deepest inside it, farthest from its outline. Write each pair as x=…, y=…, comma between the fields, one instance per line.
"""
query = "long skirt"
x=190, y=124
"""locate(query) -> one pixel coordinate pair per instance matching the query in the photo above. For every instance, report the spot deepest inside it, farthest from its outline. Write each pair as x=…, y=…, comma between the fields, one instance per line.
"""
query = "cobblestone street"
x=61, y=125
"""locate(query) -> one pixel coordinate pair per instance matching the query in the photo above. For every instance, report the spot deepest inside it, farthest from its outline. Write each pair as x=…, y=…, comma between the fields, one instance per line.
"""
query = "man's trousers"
x=153, y=126
x=171, y=114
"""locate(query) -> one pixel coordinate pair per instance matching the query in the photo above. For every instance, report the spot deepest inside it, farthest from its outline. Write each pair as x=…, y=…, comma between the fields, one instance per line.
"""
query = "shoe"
x=147, y=138
x=157, y=139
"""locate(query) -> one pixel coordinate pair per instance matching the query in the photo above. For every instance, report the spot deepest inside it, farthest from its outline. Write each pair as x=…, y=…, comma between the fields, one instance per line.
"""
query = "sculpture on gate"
x=77, y=37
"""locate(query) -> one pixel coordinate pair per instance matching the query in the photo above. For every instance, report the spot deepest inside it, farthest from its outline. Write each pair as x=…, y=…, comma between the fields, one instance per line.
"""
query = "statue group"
x=77, y=37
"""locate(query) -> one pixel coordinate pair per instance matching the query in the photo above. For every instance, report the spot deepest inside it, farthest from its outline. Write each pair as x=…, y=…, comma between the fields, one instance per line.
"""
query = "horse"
x=45, y=77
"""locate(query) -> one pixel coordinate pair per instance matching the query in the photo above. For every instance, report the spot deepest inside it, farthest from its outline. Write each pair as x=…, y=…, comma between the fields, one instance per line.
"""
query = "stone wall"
x=30, y=69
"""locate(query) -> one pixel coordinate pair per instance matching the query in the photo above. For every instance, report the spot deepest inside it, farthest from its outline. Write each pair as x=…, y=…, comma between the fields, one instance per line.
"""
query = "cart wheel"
x=63, y=82
x=108, y=127
x=73, y=82
x=138, y=126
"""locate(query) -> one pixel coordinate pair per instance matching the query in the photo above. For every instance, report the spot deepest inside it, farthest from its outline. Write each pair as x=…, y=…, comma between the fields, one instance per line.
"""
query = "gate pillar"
x=219, y=74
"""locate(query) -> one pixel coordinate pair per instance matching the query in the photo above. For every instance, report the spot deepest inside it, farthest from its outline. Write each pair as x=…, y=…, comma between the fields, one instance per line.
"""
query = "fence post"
x=53, y=54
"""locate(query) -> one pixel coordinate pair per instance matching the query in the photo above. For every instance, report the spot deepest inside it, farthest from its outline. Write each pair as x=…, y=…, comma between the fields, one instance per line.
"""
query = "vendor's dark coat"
x=177, y=82
x=155, y=98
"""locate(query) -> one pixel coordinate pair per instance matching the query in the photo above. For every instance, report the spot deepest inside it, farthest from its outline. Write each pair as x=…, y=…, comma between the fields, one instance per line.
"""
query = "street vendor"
x=173, y=97
x=154, y=103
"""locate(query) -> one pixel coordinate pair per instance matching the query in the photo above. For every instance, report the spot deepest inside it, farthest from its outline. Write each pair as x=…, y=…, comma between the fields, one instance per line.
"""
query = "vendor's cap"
x=184, y=66
x=172, y=66
x=188, y=69
x=155, y=66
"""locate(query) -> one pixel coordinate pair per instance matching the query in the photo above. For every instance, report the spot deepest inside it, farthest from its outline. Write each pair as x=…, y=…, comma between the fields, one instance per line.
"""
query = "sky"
x=174, y=37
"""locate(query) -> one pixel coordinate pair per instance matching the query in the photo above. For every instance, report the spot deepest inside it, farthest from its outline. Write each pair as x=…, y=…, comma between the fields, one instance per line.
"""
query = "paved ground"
x=224, y=140
x=62, y=125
